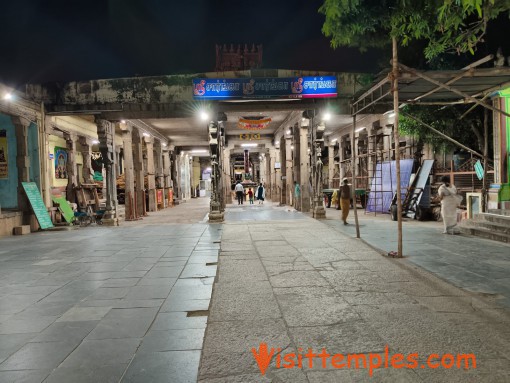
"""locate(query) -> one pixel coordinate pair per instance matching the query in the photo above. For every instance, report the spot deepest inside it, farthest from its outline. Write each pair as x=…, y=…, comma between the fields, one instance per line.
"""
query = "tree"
x=468, y=130
x=445, y=25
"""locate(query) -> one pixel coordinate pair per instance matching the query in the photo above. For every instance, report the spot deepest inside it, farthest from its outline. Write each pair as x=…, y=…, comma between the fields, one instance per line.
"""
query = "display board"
x=40, y=210
x=65, y=208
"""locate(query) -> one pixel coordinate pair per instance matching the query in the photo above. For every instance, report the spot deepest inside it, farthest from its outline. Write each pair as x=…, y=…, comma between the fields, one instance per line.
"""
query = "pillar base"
x=216, y=216
x=319, y=212
x=110, y=221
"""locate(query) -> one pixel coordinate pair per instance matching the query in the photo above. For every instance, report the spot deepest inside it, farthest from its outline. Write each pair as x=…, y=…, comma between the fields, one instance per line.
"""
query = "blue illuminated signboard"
x=267, y=87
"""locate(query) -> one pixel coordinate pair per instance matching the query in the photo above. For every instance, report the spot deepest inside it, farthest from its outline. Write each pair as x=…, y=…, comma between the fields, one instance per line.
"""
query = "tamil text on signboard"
x=266, y=87
x=40, y=211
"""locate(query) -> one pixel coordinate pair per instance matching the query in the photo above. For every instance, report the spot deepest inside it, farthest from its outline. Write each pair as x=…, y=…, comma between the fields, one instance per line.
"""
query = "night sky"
x=56, y=40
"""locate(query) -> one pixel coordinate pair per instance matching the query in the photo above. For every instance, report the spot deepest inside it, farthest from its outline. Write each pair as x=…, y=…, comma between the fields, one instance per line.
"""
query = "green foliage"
x=446, y=25
x=467, y=131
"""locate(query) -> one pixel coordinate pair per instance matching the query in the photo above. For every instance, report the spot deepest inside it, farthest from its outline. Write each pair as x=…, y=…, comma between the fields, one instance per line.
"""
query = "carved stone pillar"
x=106, y=135
x=331, y=164
x=166, y=168
x=139, y=178
x=304, y=165
x=173, y=172
x=283, y=171
x=72, y=169
x=129, y=172
x=289, y=177
x=23, y=163
x=227, y=174
x=151, y=174
x=86, y=152
x=158, y=157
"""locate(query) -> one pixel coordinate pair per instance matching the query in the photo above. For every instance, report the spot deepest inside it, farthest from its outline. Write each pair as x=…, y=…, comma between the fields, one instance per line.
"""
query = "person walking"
x=297, y=196
x=250, y=196
x=239, y=193
x=260, y=194
x=449, y=202
x=345, y=199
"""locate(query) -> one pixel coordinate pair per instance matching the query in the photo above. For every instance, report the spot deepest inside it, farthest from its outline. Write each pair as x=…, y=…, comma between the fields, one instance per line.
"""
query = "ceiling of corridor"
x=191, y=133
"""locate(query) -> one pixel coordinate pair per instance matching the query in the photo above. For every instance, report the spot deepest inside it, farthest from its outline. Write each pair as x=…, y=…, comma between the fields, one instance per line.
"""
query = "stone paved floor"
x=129, y=304
x=472, y=263
x=103, y=304
x=301, y=284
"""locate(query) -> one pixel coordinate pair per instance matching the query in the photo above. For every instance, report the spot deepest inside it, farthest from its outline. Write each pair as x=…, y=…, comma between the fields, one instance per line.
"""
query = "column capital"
x=148, y=139
x=125, y=128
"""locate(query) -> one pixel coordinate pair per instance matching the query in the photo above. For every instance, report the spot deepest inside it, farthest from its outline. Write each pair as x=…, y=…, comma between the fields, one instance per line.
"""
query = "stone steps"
x=487, y=225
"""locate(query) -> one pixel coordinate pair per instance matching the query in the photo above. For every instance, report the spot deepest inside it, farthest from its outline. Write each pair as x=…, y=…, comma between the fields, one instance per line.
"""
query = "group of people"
x=447, y=192
x=259, y=194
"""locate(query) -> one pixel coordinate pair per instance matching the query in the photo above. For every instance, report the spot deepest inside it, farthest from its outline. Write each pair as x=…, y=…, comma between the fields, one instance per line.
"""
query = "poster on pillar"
x=4, y=164
x=97, y=166
x=60, y=163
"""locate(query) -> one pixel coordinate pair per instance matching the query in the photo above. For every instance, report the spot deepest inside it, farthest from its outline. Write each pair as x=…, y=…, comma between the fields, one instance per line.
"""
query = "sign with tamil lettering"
x=264, y=87
x=40, y=210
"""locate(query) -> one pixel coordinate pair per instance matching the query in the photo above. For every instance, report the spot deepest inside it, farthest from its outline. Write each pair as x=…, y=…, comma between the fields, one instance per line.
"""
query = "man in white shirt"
x=239, y=193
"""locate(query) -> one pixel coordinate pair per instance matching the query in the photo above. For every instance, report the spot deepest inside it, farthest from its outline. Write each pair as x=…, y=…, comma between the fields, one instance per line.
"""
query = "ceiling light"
x=8, y=97
x=95, y=141
x=334, y=140
x=359, y=129
x=326, y=117
x=199, y=151
x=146, y=134
x=163, y=144
x=204, y=116
x=249, y=145
x=123, y=121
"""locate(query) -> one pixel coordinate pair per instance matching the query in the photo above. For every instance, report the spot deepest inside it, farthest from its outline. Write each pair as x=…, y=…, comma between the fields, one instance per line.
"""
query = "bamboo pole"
x=485, y=158
x=395, y=75
x=353, y=172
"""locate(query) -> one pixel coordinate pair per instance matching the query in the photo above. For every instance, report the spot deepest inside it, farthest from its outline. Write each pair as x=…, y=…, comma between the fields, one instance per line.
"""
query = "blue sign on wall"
x=267, y=87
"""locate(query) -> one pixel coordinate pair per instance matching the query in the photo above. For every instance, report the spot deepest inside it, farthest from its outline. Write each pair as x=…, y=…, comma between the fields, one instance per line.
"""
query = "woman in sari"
x=345, y=199
x=449, y=202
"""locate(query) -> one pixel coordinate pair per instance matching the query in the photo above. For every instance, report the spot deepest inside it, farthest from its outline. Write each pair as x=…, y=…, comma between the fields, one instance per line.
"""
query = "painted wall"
x=53, y=142
x=9, y=186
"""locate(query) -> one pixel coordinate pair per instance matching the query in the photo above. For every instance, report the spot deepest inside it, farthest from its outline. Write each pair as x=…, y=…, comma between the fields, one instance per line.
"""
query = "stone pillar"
x=118, y=161
x=262, y=167
x=23, y=163
x=139, y=179
x=86, y=152
x=72, y=169
x=283, y=171
x=246, y=161
x=227, y=174
x=166, y=168
x=304, y=165
x=273, y=154
x=331, y=164
x=343, y=147
x=174, y=171
x=289, y=178
x=129, y=171
x=179, y=163
x=106, y=135
x=317, y=134
x=158, y=153
x=151, y=173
